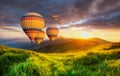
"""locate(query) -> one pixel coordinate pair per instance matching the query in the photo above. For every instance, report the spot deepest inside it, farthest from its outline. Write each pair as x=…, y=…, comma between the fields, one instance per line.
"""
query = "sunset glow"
x=79, y=33
x=85, y=35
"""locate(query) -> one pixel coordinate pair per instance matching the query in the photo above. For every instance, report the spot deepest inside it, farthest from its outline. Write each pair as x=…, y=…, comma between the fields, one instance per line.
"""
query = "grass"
x=103, y=60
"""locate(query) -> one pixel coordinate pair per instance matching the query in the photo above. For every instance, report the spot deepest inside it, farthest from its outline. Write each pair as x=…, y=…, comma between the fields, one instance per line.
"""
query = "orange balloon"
x=52, y=33
x=31, y=24
x=40, y=37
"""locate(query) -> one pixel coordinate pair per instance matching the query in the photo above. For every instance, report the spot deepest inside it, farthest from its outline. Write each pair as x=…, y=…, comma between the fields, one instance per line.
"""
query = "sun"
x=85, y=35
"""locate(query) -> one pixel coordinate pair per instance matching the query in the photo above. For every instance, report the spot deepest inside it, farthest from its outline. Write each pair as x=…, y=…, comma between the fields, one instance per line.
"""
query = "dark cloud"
x=107, y=21
x=108, y=4
x=81, y=7
x=100, y=12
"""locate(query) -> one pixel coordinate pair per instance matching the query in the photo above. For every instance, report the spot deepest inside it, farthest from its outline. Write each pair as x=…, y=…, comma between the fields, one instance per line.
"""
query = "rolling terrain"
x=66, y=45
x=101, y=58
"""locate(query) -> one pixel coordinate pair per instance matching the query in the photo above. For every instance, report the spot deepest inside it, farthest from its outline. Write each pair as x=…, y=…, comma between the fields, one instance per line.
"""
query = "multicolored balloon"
x=31, y=24
x=40, y=37
x=52, y=33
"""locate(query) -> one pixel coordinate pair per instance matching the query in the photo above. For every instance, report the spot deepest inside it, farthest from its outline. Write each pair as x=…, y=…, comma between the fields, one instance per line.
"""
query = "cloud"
x=69, y=11
x=10, y=28
x=108, y=4
x=107, y=21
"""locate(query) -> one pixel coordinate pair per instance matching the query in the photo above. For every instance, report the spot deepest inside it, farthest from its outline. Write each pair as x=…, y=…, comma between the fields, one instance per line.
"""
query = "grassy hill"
x=70, y=45
x=102, y=60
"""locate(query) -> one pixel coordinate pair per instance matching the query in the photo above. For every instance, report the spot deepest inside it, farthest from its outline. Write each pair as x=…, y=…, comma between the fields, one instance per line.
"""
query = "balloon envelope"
x=52, y=33
x=32, y=23
x=40, y=37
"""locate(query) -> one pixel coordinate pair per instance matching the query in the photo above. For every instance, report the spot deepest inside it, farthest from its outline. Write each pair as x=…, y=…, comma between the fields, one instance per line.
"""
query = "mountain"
x=62, y=45
x=17, y=43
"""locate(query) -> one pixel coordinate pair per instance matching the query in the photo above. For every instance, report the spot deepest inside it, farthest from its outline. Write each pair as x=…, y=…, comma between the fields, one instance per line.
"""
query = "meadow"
x=102, y=60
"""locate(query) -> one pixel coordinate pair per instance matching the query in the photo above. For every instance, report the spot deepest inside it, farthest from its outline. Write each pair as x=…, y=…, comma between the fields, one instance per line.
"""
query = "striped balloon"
x=32, y=23
x=40, y=37
x=52, y=33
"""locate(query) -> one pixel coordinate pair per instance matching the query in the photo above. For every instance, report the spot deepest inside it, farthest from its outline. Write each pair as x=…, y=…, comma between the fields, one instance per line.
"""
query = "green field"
x=102, y=60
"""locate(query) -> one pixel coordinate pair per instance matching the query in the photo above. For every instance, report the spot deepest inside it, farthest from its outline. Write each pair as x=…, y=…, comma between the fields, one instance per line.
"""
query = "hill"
x=16, y=43
x=104, y=60
x=70, y=45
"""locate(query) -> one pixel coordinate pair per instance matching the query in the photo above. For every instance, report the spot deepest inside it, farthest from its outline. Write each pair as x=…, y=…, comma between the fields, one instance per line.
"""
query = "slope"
x=104, y=61
x=70, y=45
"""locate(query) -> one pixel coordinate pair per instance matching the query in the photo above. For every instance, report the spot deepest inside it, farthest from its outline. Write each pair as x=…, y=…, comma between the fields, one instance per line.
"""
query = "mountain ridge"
x=65, y=44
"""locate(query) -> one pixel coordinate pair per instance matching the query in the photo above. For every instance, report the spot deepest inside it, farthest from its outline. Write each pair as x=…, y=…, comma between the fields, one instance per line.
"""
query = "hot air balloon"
x=31, y=24
x=40, y=37
x=52, y=33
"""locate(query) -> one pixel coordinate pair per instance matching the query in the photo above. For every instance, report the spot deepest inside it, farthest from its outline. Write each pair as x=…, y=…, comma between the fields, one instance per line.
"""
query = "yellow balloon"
x=40, y=37
x=52, y=33
x=31, y=24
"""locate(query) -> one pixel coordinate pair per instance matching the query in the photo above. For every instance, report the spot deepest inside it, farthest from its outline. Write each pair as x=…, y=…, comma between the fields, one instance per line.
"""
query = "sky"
x=74, y=18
